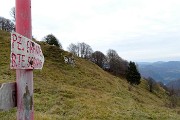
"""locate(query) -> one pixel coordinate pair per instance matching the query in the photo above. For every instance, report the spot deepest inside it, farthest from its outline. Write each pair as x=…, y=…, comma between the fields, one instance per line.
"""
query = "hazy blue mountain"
x=174, y=84
x=161, y=71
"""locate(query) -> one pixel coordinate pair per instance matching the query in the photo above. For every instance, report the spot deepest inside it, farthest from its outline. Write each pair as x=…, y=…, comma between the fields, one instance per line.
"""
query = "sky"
x=138, y=30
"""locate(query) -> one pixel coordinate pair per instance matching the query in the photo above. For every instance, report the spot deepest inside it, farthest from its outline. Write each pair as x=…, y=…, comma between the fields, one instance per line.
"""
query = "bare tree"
x=1, y=23
x=99, y=58
x=6, y=24
x=151, y=84
x=112, y=54
x=13, y=13
x=82, y=50
x=82, y=47
x=173, y=97
x=73, y=49
x=88, y=51
x=118, y=66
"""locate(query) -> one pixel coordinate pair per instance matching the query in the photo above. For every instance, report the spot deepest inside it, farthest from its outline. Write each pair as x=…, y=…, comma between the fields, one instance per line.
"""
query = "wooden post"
x=24, y=78
x=7, y=96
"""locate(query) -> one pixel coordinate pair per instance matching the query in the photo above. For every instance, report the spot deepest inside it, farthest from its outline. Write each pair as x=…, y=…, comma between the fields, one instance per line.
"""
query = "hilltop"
x=84, y=91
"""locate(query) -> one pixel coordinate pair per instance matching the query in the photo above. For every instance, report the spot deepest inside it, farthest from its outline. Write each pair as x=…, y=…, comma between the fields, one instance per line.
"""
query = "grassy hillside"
x=84, y=92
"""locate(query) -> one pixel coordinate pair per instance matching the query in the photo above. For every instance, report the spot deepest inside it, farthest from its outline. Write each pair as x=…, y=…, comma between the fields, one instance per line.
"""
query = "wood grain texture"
x=8, y=96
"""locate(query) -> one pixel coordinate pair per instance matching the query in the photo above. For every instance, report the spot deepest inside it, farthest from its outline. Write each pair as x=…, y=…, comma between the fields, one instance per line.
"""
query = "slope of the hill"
x=84, y=91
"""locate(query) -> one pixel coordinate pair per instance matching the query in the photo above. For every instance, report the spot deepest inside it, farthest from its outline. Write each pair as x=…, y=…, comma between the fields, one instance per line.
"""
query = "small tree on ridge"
x=52, y=40
x=132, y=75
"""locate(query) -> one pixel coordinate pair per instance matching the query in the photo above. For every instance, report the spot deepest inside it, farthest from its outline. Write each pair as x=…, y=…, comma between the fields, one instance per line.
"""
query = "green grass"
x=85, y=91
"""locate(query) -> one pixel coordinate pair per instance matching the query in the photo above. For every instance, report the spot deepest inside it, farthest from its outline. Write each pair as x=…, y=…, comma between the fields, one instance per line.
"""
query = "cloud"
x=136, y=29
x=157, y=47
x=5, y=7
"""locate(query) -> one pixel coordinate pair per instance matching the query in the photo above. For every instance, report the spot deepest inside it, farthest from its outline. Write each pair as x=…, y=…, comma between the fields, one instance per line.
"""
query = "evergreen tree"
x=52, y=40
x=132, y=75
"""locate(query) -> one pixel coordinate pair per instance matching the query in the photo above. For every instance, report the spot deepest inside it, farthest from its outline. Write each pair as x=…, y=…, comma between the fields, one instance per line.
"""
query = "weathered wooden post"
x=8, y=96
x=24, y=78
x=26, y=55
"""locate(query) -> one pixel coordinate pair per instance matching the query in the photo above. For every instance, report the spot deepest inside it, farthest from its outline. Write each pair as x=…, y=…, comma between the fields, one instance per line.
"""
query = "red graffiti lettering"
x=13, y=60
x=37, y=49
x=30, y=62
x=37, y=63
x=25, y=53
x=19, y=43
x=18, y=60
x=29, y=59
x=14, y=37
x=30, y=47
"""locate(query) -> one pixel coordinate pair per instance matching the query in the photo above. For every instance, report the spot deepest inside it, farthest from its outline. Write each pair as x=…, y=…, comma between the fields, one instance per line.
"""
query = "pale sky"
x=139, y=30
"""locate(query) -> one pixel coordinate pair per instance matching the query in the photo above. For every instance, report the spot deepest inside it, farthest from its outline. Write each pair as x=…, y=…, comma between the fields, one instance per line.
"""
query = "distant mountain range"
x=174, y=84
x=164, y=72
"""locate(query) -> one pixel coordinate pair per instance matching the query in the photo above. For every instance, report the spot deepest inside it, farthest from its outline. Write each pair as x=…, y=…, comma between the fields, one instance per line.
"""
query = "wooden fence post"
x=24, y=78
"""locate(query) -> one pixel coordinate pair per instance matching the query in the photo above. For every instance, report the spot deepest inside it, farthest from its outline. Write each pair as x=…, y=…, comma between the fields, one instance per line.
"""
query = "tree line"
x=110, y=62
x=82, y=50
x=6, y=24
